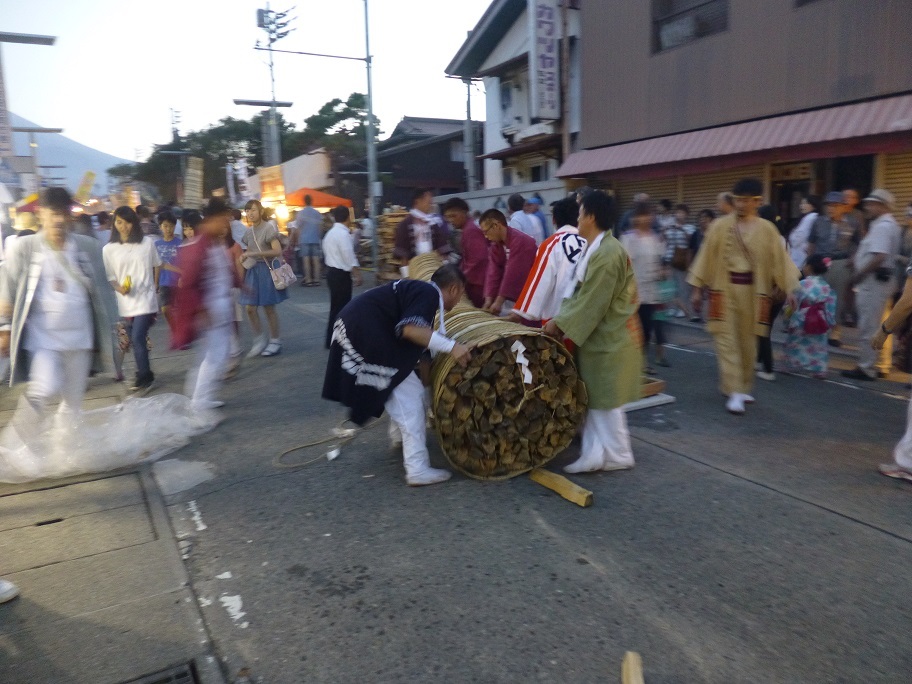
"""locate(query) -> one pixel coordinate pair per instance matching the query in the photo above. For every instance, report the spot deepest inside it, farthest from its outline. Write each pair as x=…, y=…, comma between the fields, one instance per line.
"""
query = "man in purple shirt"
x=474, y=248
x=510, y=258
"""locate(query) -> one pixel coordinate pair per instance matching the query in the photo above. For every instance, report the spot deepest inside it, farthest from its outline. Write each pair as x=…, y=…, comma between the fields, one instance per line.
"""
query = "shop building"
x=515, y=52
x=683, y=97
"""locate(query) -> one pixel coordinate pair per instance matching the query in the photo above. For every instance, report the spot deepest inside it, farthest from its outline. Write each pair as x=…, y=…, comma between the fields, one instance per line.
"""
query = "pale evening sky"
x=119, y=65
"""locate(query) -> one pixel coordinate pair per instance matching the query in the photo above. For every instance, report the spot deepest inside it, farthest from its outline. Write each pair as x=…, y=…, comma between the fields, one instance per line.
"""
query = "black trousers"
x=340, y=294
x=765, y=344
x=651, y=325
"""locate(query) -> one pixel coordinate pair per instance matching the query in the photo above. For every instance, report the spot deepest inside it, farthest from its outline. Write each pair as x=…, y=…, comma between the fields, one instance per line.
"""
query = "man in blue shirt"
x=310, y=228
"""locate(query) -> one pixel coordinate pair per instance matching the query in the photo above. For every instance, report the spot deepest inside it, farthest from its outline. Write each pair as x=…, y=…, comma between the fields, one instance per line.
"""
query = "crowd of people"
x=603, y=286
x=738, y=269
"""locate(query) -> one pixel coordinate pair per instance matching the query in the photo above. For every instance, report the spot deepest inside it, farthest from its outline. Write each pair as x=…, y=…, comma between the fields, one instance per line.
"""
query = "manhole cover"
x=182, y=674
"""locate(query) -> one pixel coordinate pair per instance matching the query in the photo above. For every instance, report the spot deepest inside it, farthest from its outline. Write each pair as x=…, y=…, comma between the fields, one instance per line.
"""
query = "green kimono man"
x=600, y=318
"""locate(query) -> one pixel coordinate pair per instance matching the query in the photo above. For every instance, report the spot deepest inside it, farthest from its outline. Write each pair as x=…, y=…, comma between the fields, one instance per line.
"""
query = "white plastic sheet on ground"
x=136, y=431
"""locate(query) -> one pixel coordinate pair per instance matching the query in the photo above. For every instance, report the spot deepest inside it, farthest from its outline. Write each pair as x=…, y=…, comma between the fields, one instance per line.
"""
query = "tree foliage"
x=339, y=127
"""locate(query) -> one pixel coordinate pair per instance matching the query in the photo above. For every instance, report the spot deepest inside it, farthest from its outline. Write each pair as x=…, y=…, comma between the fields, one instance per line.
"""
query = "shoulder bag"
x=282, y=276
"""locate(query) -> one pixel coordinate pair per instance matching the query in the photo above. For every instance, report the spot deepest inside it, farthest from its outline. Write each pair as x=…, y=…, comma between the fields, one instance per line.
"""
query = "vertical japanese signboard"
x=242, y=181
x=193, y=183
x=544, y=71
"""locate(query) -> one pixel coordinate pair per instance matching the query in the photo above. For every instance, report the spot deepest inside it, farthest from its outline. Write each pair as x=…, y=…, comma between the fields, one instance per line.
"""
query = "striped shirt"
x=551, y=275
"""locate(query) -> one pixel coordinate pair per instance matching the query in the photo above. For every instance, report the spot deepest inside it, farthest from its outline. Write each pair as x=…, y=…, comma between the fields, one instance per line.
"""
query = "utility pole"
x=468, y=140
x=276, y=26
x=374, y=189
x=175, y=122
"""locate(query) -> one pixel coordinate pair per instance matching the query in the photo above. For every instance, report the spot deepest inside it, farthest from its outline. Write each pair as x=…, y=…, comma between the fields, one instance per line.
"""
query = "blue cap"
x=833, y=197
x=533, y=200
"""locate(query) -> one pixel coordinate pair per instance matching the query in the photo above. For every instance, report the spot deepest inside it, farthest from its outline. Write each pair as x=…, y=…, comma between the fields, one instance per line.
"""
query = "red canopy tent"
x=320, y=199
x=28, y=203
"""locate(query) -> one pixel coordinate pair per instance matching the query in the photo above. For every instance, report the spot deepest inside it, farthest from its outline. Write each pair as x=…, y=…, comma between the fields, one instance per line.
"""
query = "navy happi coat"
x=368, y=357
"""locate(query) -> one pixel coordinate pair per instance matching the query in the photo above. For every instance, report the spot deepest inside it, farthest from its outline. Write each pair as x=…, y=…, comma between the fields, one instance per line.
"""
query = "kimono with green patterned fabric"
x=600, y=317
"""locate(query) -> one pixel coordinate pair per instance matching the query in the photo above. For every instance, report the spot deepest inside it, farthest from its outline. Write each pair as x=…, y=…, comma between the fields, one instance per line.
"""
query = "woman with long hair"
x=132, y=265
x=263, y=246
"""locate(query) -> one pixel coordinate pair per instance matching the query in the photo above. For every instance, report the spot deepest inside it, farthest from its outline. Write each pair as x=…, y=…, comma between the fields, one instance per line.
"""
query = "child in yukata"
x=809, y=323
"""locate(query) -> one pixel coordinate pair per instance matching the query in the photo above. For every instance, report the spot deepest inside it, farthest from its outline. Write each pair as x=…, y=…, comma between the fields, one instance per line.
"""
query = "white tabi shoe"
x=735, y=404
x=428, y=476
x=8, y=591
x=584, y=464
x=748, y=399
x=608, y=466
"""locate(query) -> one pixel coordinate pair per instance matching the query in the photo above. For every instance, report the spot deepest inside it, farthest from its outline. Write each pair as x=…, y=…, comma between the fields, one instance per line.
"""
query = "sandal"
x=272, y=349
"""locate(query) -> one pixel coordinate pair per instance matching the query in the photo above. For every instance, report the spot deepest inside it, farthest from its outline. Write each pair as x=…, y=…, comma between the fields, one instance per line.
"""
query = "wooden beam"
x=632, y=668
x=563, y=486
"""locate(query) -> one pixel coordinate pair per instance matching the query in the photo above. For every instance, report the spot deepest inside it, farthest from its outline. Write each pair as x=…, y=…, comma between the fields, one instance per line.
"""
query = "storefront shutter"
x=657, y=189
x=898, y=180
x=700, y=192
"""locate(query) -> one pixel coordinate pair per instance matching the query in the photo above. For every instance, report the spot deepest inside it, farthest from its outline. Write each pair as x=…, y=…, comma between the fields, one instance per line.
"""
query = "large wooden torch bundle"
x=517, y=404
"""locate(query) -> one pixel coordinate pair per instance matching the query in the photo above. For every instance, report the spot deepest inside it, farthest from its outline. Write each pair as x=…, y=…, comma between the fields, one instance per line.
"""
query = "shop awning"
x=536, y=145
x=320, y=198
x=887, y=116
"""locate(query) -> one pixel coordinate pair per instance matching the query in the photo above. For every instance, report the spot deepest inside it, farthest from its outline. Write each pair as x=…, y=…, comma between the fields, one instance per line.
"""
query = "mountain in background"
x=54, y=148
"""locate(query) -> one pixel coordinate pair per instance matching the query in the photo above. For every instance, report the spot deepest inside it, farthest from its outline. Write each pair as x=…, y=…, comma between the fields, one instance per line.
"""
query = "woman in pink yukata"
x=806, y=348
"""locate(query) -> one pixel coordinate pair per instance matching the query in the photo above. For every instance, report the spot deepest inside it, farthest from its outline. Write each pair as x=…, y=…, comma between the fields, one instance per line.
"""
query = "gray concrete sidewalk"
x=105, y=597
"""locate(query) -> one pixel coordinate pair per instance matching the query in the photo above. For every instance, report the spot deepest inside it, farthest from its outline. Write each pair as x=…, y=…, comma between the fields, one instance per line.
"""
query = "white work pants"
x=407, y=411
x=606, y=440
x=212, y=359
x=52, y=374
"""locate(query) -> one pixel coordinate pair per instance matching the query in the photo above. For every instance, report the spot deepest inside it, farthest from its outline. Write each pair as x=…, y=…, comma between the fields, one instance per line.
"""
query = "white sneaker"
x=735, y=404
x=8, y=591
x=428, y=476
x=259, y=344
x=769, y=377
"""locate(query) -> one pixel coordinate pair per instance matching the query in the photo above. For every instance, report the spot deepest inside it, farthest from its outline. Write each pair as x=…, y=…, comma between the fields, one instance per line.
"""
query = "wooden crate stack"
x=386, y=236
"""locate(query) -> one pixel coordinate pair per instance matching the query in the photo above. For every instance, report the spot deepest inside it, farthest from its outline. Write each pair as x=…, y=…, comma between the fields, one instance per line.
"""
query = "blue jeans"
x=137, y=328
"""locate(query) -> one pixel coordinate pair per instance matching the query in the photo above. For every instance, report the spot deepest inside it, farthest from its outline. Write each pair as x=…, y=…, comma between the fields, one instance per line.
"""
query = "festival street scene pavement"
x=739, y=549
x=502, y=341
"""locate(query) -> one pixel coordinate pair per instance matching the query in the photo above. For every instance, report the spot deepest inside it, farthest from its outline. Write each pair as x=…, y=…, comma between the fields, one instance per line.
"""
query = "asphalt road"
x=763, y=548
